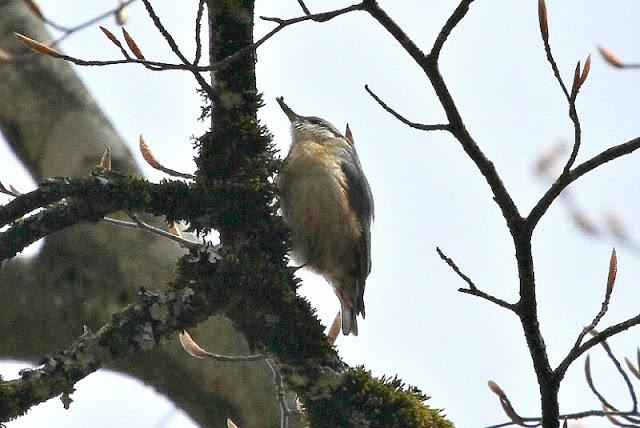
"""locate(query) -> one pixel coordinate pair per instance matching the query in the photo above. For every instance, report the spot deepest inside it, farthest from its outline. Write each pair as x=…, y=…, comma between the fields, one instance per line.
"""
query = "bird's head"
x=308, y=127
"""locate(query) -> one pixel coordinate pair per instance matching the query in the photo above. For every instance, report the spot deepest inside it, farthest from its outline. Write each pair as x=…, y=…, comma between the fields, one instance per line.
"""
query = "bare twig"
x=304, y=7
x=448, y=27
x=198, y=32
x=508, y=407
x=148, y=228
x=194, y=68
x=151, y=229
x=595, y=340
x=429, y=64
x=68, y=31
x=193, y=349
x=285, y=411
x=206, y=87
x=589, y=379
x=570, y=96
x=577, y=136
x=11, y=191
x=473, y=290
x=622, y=373
x=455, y=268
x=421, y=126
x=148, y=156
x=613, y=267
x=569, y=416
x=565, y=180
x=630, y=416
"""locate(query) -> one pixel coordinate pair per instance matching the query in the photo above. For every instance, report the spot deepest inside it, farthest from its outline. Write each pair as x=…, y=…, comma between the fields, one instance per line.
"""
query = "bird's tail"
x=349, y=322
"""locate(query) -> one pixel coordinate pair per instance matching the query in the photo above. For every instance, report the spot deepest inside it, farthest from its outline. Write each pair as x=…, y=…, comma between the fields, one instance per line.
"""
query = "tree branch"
x=204, y=85
x=566, y=179
x=448, y=27
x=421, y=126
x=473, y=290
x=595, y=340
x=138, y=327
x=429, y=65
x=81, y=200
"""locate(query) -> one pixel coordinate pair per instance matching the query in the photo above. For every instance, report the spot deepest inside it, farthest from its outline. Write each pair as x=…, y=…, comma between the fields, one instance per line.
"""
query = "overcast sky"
x=427, y=192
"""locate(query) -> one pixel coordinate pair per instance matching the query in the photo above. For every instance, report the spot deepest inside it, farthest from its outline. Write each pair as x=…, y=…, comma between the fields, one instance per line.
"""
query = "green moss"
x=9, y=408
x=383, y=402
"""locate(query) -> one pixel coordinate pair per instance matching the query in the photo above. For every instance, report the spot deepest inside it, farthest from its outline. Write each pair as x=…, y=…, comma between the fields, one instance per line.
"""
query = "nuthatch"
x=327, y=203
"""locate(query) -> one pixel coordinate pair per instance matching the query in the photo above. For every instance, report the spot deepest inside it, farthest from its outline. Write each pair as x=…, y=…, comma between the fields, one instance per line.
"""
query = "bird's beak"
x=285, y=108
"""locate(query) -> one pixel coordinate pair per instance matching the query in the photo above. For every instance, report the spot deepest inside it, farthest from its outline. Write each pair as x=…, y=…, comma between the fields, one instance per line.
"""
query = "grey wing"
x=361, y=200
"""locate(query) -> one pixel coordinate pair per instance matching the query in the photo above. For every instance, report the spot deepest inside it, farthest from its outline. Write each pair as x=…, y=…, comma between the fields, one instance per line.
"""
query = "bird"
x=326, y=201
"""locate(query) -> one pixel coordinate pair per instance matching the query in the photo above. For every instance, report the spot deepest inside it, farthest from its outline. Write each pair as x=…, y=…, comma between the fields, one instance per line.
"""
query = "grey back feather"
x=361, y=200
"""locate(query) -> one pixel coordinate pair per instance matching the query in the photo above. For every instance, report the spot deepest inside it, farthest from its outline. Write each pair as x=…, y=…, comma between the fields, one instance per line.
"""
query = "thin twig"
x=605, y=304
x=577, y=136
x=566, y=179
x=568, y=416
x=71, y=30
x=490, y=298
x=233, y=358
x=139, y=224
x=151, y=65
x=592, y=387
x=455, y=268
x=198, y=32
x=220, y=65
x=595, y=340
x=570, y=96
x=448, y=27
x=206, y=87
x=421, y=126
x=285, y=411
x=473, y=290
x=429, y=64
x=304, y=7
x=67, y=32
x=624, y=375
x=507, y=406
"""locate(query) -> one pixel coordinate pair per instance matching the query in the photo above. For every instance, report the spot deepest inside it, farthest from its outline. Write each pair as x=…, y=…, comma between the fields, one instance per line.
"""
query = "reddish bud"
x=334, y=330
x=105, y=162
x=496, y=389
x=133, y=45
x=632, y=368
x=148, y=155
x=190, y=345
x=111, y=37
x=613, y=270
x=542, y=17
x=38, y=47
x=585, y=70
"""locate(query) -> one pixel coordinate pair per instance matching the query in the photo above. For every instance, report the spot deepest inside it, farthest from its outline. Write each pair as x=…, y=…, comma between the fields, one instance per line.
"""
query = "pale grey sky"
x=427, y=192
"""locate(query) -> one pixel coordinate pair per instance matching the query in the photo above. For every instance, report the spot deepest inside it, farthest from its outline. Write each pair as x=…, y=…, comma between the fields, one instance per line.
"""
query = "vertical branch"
x=527, y=309
x=232, y=140
x=198, y=33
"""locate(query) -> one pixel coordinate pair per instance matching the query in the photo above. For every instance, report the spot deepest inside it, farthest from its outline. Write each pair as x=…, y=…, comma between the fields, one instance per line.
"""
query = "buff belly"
x=324, y=230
